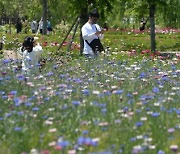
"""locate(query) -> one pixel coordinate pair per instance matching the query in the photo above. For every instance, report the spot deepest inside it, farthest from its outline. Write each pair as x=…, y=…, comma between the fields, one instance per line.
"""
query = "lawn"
x=115, y=39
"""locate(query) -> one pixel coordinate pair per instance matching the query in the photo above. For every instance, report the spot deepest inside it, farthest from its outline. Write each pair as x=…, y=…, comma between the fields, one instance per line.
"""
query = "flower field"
x=126, y=101
x=98, y=105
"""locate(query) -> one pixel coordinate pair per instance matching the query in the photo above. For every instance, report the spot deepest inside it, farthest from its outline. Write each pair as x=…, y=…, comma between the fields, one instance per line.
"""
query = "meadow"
x=126, y=101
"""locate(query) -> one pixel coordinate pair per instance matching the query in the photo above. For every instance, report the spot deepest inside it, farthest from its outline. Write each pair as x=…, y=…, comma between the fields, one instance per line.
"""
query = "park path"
x=10, y=54
x=170, y=53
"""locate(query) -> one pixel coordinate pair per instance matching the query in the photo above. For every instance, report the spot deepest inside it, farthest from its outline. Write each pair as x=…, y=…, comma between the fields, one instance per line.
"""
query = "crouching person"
x=30, y=53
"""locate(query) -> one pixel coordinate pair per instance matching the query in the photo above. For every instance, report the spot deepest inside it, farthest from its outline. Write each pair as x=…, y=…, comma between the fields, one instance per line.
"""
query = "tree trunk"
x=44, y=17
x=152, y=27
x=83, y=20
x=10, y=25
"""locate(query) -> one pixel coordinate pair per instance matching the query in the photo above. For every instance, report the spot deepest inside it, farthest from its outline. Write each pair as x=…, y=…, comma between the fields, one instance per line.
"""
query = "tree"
x=44, y=3
x=152, y=8
x=170, y=13
x=144, y=7
x=167, y=11
x=8, y=10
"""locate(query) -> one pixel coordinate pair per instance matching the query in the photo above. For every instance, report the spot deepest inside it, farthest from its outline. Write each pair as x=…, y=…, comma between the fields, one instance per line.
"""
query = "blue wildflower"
x=129, y=95
x=146, y=97
x=28, y=104
x=144, y=102
x=78, y=80
x=47, y=98
x=156, y=90
x=81, y=140
x=57, y=93
x=65, y=106
x=133, y=139
x=85, y=132
x=14, y=92
x=17, y=129
x=94, y=143
x=161, y=152
x=102, y=105
x=35, y=109
x=162, y=108
x=62, y=76
x=104, y=110
x=7, y=78
x=8, y=114
x=130, y=101
x=21, y=77
x=21, y=113
x=139, y=123
x=4, y=97
x=155, y=114
x=45, y=117
x=142, y=75
x=88, y=141
x=105, y=152
x=138, y=110
x=76, y=103
x=38, y=64
x=17, y=101
x=55, y=66
x=125, y=109
x=107, y=93
x=118, y=92
x=165, y=78
x=6, y=61
x=178, y=111
x=95, y=103
x=49, y=74
x=173, y=67
x=170, y=111
x=86, y=91
x=63, y=144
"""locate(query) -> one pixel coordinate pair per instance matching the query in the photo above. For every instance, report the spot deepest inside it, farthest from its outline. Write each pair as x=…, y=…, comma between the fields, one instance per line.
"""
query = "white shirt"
x=33, y=25
x=40, y=24
x=88, y=33
x=30, y=59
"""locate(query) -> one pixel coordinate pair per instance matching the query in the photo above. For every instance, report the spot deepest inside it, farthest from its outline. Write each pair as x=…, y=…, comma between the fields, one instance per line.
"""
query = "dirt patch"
x=11, y=54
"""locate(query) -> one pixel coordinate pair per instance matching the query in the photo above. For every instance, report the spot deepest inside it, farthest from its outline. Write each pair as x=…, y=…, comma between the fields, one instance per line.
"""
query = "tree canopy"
x=113, y=11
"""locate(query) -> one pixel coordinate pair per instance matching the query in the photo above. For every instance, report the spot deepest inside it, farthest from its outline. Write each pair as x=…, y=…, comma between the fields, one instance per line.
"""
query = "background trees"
x=118, y=13
x=112, y=11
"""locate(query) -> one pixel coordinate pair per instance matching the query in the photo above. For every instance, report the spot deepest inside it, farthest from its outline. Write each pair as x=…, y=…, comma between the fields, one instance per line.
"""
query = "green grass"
x=110, y=99
x=116, y=40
